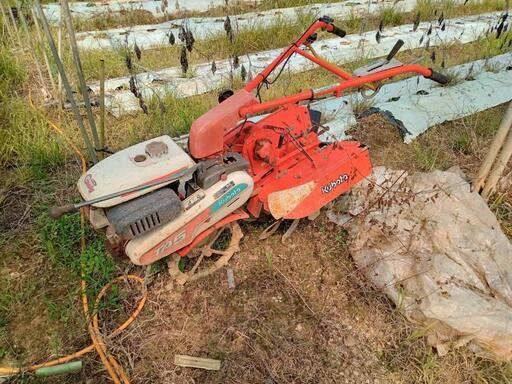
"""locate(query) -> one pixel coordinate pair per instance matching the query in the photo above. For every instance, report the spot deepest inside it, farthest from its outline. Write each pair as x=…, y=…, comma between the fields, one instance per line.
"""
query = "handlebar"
x=438, y=77
x=348, y=81
x=330, y=27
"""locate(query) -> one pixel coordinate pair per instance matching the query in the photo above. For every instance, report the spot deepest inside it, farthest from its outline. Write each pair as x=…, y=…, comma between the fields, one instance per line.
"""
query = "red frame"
x=347, y=81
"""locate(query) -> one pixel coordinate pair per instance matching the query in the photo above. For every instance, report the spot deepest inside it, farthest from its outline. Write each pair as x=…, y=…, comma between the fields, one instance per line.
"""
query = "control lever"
x=399, y=44
x=380, y=65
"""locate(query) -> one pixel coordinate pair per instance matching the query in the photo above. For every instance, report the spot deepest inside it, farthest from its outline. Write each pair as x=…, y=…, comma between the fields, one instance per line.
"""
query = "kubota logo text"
x=334, y=183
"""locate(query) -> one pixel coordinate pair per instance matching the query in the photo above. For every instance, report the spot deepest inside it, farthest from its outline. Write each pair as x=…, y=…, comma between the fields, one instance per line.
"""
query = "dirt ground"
x=300, y=311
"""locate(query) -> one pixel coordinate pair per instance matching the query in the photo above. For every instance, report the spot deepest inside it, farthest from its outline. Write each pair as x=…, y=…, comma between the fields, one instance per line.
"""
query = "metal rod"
x=499, y=139
x=30, y=44
x=44, y=53
x=79, y=71
x=56, y=212
x=102, y=106
x=65, y=81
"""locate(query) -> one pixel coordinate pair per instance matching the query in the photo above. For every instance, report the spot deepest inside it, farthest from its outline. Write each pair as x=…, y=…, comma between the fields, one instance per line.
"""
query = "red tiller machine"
x=154, y=199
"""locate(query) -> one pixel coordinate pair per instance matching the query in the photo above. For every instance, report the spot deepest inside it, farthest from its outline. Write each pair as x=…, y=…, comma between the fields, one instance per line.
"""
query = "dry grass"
x=301, y=313
x=129, y=17
x=256, y=39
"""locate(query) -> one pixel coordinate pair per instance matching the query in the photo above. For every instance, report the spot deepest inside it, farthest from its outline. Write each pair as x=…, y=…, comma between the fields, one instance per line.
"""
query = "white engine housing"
x=134, y=166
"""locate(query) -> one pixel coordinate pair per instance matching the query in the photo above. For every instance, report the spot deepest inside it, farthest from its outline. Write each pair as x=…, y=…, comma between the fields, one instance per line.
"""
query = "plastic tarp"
x=154, y=35
x=120, y=100
x=87, y=10
x=435, y=249
x=416, y=104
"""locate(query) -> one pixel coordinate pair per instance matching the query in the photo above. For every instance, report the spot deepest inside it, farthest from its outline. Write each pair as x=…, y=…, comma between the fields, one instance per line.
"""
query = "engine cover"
x=144, y=213
x=142, y=163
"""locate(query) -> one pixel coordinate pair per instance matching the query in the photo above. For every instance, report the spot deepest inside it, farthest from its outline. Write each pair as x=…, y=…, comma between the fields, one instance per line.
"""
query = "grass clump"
x=391, y=16
x=25, y=139
x=61, y=241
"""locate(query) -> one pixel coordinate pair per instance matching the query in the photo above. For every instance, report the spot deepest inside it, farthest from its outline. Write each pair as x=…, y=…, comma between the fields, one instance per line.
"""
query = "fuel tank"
x=134, y=166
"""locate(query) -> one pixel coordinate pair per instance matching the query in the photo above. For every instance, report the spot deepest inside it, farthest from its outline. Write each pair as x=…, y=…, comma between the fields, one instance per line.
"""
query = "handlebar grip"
x=439, y=77
x=395, y=49
x=338, y=31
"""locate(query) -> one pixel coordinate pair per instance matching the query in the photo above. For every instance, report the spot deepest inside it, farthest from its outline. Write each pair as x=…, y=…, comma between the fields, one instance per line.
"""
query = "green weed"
x=61, y=240
x=463, y=143
x=25, y=139
x=391, y=16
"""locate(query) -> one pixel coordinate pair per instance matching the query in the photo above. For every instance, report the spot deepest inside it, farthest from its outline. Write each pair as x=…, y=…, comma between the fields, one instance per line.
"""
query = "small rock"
x=349, y=341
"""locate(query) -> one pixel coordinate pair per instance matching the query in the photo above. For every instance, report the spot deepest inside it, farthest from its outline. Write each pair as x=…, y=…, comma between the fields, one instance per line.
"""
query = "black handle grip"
x=338, y=31
x=395, y=49
x=439, y=77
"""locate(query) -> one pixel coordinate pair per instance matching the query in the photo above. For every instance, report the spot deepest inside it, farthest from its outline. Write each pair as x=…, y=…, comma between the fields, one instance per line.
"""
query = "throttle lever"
x=399, y=44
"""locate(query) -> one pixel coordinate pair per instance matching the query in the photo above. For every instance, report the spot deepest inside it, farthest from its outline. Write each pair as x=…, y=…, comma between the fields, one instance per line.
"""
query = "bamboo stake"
x=79, y=71
x=44, y=53
x=65, y=82
x=501, y=134
x=102, y=105
x=31, y=44
x=499, y=167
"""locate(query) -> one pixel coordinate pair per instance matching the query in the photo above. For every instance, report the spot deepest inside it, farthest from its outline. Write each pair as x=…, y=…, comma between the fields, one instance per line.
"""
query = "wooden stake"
x=501, y=134
x=197, y=362
x=499, y=167
x=67, y=87
x=79, y=71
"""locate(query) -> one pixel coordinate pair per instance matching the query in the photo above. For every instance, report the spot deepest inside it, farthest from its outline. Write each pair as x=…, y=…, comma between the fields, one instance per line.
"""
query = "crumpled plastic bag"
x=438, y=252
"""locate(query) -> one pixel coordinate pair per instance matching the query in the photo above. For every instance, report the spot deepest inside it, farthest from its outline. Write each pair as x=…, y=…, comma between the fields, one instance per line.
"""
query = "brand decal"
x=334, y=183
x=169, y=243
x=90, y=183
x=229, y=196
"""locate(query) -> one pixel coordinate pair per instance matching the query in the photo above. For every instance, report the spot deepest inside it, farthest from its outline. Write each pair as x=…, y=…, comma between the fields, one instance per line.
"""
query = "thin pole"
x=30, y=44
x=102, y=105
x=497, y=143
x=15, y=26
x=79, y=71
x=59, y=47
x=65, y=82
x=7, y=22
x=45, y=56
x=499, y=167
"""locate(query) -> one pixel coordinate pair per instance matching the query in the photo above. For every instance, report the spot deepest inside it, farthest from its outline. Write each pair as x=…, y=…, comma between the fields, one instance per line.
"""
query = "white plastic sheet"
x=438, y=252
x=154, y=35
x=416, y=104
x=87, y=10
x=170, y=81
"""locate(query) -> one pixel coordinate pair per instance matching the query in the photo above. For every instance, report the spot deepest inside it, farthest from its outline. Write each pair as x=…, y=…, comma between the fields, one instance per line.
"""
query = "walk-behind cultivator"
x=154, y=199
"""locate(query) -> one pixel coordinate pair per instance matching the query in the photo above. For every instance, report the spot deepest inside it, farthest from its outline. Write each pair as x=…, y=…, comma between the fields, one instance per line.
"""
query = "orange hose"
x=113, y=368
